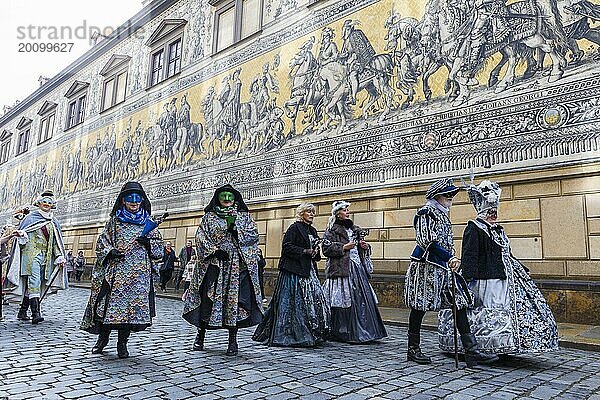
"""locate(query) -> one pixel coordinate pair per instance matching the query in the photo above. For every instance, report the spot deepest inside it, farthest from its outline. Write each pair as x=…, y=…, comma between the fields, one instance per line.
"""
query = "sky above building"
x=41, y=37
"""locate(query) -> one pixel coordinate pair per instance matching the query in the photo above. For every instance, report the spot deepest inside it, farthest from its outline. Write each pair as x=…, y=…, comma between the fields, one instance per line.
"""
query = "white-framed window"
x=5, y=141
x=23, y=135
x=166, y=47
x=77, y=100
x=23, y=140
x=47, y=121
x=114, y=87
x=236, y=20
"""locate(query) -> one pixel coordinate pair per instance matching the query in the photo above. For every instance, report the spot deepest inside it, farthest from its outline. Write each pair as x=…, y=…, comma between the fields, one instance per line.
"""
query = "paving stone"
x=162, y=366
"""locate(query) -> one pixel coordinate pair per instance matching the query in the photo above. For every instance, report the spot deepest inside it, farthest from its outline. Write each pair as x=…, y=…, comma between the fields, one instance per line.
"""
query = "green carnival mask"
x=226, y=196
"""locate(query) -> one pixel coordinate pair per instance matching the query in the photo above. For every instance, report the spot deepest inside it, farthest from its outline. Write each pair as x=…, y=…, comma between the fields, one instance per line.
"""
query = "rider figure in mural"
x=356, y=53
x=328, y=52
x=574, y=17
x=491, y=21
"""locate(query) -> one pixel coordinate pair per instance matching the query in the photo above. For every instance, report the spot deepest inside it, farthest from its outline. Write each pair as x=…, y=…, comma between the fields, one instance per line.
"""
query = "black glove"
x=221, y=255
x=114, y=253
x=144, y=241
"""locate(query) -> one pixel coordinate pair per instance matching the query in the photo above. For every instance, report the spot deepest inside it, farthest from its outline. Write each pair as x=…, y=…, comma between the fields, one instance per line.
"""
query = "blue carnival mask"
x=133, y=198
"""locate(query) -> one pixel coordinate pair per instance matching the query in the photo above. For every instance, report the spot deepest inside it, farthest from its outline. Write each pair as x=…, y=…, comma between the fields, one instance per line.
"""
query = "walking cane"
x=454, y=311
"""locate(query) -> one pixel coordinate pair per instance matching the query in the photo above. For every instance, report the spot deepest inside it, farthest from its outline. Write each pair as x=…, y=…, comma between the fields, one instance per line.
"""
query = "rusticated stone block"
x=588, y=184
x=318, y=222
x=398, y=250
x=387, y=292
x=262, y=226
x=376, y=249
x=557, y=300
x=546, y=268
x=285, y=213
x=401, y=234
x=564, y=237
x=595, y=247
x=527, y=248
x=583, y=268
x=389, y=203
x=592, y=202
x=274, y=235
x=385, y=266
x=414, y=201
x=537, y=189
x=594, y=226
x=265, y=215
x=583, y=307
x=398, y=218
x=369, y=220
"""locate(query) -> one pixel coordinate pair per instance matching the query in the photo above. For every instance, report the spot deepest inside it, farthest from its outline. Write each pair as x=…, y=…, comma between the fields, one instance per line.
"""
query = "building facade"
x=366, y=100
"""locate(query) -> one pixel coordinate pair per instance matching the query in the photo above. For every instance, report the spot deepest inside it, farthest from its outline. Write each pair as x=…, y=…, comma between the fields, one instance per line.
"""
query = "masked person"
x=510, y=314
x=225, y=292
x=353, y=303
x=298, y=314
x=122, y=290
x=428, y=283
x=37, y=261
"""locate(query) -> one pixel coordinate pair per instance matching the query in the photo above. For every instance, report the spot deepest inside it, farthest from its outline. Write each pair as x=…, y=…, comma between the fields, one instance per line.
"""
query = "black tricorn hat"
x=227, y=188
x=129, y=188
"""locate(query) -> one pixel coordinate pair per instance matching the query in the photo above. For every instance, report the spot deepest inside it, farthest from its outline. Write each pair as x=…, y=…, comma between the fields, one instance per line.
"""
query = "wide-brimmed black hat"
x=227, y=188
x=129, y=188
x=443, y=186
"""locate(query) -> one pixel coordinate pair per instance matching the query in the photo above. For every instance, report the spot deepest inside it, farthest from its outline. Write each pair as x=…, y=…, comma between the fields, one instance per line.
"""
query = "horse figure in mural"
x=153, y=137
x=462, y=36
x=75, y=168
x=365, y=70
x=189, y=134
x=306, y=93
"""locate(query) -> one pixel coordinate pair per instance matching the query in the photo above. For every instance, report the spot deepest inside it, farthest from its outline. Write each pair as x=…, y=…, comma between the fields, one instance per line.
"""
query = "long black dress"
x=298, y=314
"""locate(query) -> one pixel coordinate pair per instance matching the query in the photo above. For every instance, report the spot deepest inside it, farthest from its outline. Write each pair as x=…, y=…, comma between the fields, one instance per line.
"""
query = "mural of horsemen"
x=340, y=78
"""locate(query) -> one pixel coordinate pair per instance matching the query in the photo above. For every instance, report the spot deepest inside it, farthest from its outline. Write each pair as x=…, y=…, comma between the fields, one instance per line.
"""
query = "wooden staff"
x=454, y=312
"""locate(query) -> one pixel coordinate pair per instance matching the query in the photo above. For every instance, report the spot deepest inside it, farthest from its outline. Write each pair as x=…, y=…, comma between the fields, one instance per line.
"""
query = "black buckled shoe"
x=415, y=354
x=22, y=314
x=102, y=341
x=232, y=347
x=36, y=314
x=122, y=343
x=414, y=349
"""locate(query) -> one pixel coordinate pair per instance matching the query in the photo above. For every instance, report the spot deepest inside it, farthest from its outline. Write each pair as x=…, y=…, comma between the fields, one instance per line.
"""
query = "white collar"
x=46, y=214
x=434, y=203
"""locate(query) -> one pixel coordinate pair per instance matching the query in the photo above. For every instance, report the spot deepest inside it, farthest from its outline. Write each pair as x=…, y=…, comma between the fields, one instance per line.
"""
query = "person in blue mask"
x=122, y=290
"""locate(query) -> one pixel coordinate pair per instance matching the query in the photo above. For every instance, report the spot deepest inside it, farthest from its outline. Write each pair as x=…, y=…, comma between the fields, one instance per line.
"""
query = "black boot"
x=36, y=314
x=232, y=348
x=102, y=341
x=414, y=350
x=22, y=314
x=199, y=342
x=122, y=343
x=472, y=354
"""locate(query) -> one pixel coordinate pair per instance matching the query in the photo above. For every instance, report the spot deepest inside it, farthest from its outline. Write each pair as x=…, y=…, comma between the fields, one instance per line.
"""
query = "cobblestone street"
x=53, y=361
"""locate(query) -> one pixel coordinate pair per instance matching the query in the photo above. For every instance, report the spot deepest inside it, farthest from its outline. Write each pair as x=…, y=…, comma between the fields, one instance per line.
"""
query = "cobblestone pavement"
x=53, y=361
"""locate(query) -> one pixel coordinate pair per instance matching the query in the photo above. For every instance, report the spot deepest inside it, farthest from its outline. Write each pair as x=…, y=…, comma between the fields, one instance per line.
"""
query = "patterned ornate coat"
x=35, y=244
x=122, y=293
x=212, y=234
x=428, y=279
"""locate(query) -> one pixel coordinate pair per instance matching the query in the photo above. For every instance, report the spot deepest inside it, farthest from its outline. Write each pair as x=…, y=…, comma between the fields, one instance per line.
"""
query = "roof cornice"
x=127, y=29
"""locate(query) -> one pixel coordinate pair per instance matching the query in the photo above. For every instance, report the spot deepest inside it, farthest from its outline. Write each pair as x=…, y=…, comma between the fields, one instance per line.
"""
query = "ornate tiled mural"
x=339, y=96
